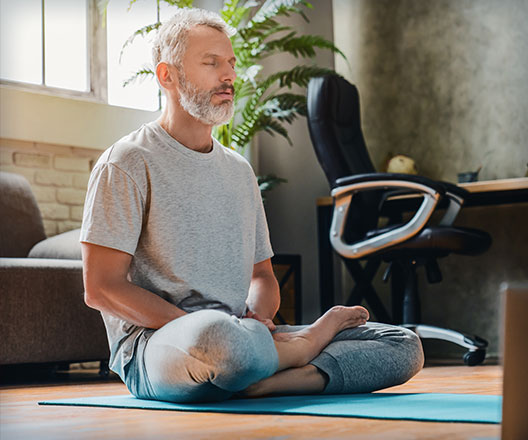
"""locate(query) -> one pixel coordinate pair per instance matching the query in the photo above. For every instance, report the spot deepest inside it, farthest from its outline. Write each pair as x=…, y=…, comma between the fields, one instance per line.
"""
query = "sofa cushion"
x=65, y=246
x=20, y=221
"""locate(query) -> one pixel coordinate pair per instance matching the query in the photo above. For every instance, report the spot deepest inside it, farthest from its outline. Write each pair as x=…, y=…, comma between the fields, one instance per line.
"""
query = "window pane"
x=21, y=40
x=120, y=25
x=66, y=44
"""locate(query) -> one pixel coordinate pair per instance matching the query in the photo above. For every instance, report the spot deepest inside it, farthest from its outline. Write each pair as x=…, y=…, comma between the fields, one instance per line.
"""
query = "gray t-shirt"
x=194, y=223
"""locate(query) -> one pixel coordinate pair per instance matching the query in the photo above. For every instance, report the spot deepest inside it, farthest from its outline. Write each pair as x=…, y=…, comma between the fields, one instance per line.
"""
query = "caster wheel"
x=476, y=357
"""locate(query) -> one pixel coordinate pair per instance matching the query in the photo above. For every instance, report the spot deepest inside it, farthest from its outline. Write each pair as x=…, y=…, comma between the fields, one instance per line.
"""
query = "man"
x=177, y=256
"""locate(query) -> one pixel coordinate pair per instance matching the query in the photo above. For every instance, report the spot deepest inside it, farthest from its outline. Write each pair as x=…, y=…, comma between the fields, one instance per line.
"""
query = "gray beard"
x=197, y=103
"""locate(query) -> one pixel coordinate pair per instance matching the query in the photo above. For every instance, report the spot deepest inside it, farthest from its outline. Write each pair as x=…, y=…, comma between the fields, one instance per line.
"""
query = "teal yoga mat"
x=467, y=408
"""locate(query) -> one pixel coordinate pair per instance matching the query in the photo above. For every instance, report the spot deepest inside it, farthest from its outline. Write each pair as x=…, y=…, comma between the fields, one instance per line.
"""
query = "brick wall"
x=58, y=176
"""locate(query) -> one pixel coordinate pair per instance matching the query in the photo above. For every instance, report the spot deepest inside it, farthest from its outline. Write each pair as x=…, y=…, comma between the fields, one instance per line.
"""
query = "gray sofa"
x=43, y=315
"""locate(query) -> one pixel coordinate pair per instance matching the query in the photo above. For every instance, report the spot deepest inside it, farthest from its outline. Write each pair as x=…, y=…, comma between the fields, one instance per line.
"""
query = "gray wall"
x=446, y=82
x=291, y=207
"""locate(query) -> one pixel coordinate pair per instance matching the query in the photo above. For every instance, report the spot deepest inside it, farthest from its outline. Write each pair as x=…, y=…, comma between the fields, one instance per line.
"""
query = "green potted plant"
x=262, y=102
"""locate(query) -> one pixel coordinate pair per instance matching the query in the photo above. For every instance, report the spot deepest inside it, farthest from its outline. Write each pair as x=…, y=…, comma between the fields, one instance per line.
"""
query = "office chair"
x=361, y=196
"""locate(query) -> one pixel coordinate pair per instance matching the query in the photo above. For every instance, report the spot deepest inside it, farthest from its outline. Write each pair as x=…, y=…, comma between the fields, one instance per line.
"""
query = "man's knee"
x=411, y=355
x=208, y=349
x=404, y=352
x=240, y=351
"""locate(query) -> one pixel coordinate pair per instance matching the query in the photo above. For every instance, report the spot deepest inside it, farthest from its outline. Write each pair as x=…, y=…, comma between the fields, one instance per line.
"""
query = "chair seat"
x=439, y=241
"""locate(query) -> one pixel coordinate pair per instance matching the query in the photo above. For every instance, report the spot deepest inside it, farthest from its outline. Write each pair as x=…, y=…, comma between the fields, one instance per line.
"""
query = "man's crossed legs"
x=209, y=355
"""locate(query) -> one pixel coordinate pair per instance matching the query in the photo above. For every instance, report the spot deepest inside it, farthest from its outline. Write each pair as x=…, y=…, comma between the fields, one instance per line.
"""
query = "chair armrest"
x=457, y=197
x=44, y=317
x=431, y=191
x=453, y=190
x=396, y=180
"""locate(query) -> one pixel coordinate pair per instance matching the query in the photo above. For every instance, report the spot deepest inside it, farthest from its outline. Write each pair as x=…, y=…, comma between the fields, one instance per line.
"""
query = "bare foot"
x=303, y=380
x=338, y=318
x=345, y=317
x=296, y=349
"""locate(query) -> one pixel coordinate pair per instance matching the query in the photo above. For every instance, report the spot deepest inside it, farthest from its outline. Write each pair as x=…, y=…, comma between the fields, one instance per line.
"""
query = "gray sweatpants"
x=209, y=355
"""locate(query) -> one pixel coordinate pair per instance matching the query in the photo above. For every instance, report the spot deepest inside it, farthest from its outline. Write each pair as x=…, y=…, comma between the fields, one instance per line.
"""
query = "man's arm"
x=108, y=289
x=264, y=295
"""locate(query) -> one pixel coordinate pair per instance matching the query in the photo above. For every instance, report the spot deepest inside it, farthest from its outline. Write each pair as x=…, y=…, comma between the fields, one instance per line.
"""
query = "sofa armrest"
x=44, y=317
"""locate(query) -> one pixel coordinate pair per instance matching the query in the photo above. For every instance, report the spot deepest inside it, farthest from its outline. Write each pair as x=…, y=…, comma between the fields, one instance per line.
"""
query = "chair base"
x=476, y=346
x=406, y=304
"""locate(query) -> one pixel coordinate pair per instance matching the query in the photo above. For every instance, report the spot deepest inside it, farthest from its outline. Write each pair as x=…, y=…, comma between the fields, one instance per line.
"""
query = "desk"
x=485, y=193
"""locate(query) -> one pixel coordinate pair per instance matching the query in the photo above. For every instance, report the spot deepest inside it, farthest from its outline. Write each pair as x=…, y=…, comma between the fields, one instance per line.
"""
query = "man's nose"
x=228, y=74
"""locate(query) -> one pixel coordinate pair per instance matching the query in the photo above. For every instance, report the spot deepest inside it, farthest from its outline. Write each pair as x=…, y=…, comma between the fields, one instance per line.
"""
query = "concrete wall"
x=446, y=82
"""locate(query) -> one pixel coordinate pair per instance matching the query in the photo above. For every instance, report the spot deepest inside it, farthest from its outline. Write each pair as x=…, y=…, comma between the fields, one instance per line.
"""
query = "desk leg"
x=326, y=257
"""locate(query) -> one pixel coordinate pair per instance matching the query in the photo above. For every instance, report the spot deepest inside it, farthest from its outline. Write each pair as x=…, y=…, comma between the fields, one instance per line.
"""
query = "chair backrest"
x=20, y=220
x=335, y=129
x=334, y=122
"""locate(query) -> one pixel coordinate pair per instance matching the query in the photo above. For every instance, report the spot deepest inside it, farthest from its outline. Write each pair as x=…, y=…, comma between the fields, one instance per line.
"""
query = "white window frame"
x=97, y=60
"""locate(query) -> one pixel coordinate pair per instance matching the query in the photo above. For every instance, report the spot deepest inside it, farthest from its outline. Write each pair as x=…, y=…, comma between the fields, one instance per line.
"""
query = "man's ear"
x=167, y=77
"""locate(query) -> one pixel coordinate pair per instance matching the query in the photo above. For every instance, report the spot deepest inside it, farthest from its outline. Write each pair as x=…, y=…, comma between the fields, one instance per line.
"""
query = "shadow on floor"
x=55, y=373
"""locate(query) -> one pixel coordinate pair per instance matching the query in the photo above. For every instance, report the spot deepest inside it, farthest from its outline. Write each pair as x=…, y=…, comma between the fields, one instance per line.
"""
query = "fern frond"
x=130, y=4
x=140, y=75
x=222, y=133
x=272, y=126
x=286, y=107
x=243, y=90
x=233, y=14
x=261, y=29
x=292, y=101
x=140, y=32
x=250, y=74
x=244, y=132
x=303, y=45
x=180, y=3
x=274, y=8
x=260, y=121
x=299, y=75
x=269, y=181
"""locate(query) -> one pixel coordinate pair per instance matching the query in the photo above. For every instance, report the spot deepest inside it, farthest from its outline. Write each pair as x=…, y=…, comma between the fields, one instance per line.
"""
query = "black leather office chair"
x=361, y=197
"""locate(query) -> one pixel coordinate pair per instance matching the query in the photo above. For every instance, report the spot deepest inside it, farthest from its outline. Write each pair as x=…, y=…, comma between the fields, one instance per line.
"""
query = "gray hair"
x=171, y=40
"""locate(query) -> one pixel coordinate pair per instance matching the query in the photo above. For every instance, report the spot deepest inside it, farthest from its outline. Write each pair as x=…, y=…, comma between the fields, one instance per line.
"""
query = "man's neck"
x=187, y=130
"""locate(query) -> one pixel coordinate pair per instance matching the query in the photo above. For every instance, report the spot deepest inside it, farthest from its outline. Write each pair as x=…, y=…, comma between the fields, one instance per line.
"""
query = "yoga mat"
x=436, y=407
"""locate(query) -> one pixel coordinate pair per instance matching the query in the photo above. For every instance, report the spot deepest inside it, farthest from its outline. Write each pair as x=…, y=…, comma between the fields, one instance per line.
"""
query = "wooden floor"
x=22, y=418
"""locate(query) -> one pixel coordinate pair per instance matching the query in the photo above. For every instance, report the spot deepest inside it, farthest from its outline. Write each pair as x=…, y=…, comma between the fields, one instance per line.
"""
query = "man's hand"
x=267, y=322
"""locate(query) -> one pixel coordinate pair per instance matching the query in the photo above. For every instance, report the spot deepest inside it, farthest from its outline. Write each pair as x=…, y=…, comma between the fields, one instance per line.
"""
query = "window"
x=122, y=22
x=65, y=47
x=45, y=42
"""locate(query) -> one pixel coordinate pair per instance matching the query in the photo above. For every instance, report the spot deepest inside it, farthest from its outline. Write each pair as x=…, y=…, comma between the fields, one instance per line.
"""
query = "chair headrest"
x=334, y=98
